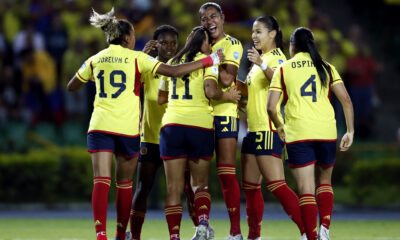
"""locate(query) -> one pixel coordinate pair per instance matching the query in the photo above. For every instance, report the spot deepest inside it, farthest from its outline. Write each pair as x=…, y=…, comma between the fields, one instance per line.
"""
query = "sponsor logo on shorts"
x=225, y=129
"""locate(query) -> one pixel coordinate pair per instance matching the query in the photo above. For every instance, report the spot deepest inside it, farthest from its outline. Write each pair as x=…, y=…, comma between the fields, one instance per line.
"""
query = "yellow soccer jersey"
x=116, y=71
x=152, y=111
x=309, y=114
x=187, y=102
x=233, y=50
x=258, y=85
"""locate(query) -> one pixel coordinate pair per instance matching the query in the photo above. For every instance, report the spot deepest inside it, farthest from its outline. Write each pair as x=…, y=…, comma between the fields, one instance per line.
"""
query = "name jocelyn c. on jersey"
x=112, y=60
x=304, y=63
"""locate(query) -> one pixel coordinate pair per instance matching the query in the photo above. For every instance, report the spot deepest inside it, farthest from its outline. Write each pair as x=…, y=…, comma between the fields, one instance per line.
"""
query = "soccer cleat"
x=210, y=232
x=128, y=236
x=323, y=233
x=303, y=237
x=201, y=233
x=236, y=237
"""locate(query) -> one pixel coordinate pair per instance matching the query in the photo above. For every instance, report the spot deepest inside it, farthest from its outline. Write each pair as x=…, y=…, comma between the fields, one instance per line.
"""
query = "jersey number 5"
x=185, y=78
x=121, y=85
x=313, y=92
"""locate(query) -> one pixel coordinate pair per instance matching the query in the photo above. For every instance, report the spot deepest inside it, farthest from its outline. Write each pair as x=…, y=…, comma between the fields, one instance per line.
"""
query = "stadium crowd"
x=42, y=43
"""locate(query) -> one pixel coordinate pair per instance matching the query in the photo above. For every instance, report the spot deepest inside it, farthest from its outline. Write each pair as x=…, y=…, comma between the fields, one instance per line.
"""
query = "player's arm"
x=74, y=84
x=272, y=102
x=185, y=68
x=213, y=92
x=162, y=92
x=341, y=93
x=227, y=74
x=254, y=57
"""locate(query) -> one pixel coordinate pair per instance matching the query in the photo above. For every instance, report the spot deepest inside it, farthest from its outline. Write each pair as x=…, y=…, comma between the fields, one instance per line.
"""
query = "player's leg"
x=302, y=161
x=190, y=197
x=251, y=185
x=268, y=153
x=174, y=173
x=101, y=147
x=325, y=152
x=173, y=152
x=127, y=151
x=226, y=129
x=149, y=163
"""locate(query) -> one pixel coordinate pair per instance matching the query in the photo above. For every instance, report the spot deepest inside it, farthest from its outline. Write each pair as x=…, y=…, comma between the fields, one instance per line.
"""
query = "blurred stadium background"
x=43, y=158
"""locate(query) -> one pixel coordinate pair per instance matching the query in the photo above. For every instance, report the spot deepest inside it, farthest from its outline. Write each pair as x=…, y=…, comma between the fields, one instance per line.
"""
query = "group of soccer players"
x=191, y=109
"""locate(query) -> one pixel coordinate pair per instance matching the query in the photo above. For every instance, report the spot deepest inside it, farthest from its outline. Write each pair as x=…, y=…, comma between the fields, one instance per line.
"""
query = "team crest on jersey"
x=236, y=55
x=152, y=59
x=280, y=61
x=83, y=66
x=143, y=151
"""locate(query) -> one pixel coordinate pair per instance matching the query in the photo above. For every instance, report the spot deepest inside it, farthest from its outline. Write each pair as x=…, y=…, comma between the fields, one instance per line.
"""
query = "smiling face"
x=168, y=44
x=263, y=38
x=211, y=19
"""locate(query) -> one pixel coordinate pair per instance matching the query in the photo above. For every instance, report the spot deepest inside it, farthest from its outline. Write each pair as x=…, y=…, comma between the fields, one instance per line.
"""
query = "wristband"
x=207, y=61
x=263, y=66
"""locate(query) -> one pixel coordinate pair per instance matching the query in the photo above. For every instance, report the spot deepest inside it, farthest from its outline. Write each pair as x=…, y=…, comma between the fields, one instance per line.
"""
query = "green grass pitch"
x=82, y=229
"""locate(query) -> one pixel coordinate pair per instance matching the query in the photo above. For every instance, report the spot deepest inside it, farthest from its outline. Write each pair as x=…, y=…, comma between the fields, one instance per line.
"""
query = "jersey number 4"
x=121, y=85
x=185, y=78
x=313, y=92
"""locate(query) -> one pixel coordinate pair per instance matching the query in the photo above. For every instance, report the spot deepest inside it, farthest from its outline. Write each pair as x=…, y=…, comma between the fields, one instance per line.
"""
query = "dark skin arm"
x=162, y=97
x=213, y=92
x=74, y=84
x=227, y=74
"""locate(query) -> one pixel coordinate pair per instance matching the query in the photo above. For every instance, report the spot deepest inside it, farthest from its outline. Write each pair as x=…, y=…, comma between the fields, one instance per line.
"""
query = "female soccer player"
x=310, y=126
x=165, y=40
x=187, y=133
x=262, y=148
x=114, y=126
x=225, y=114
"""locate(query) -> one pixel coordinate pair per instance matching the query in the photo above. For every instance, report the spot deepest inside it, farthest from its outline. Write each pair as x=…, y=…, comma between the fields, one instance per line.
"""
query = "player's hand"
x=221, y=57
x=281, y=133
x=242, y=105
x=254, y=56
x=213, y=59
x=346, y=142
x=234, y=95
x=150, y=45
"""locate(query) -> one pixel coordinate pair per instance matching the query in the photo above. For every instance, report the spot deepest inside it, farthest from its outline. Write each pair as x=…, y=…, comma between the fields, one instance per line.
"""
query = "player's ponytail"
x=272, y=24
x=303, y=40
x=193, y=45
x=115, y=29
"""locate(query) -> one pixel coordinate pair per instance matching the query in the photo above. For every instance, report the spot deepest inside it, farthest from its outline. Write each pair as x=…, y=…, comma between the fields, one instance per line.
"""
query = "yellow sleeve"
x=233, y=53
x=276, y=82
x=85, y=73
x=147, y=63
x=335, y=76
x=211, y=73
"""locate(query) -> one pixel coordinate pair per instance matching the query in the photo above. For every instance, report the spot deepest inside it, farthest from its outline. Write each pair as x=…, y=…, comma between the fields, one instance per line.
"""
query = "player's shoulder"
x=229, y=41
